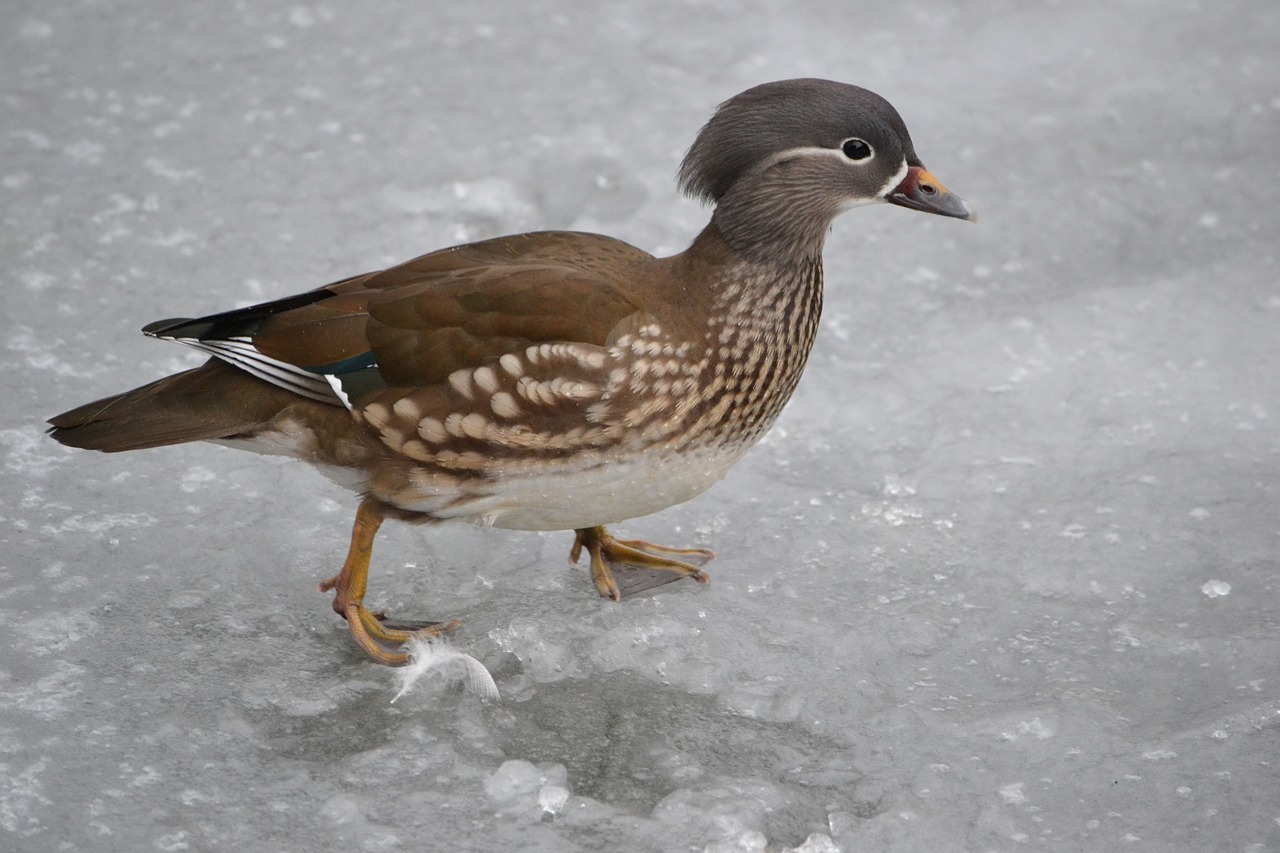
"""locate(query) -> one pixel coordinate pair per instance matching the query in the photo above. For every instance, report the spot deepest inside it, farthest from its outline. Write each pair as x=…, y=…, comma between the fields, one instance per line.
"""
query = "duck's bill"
x=920, y=190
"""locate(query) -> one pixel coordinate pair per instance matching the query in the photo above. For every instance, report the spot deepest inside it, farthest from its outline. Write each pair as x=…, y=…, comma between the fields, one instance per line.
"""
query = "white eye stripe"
x=804, y=151
x=814, y=150
x=811, y=150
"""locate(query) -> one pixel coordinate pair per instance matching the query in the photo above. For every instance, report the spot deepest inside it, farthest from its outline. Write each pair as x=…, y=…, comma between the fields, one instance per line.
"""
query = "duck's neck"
x=752, y=279
x=773, y=224
x=759, y=332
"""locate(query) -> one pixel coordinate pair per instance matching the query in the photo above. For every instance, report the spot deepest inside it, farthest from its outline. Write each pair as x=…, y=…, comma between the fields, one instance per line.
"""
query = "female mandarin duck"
x=554, y=380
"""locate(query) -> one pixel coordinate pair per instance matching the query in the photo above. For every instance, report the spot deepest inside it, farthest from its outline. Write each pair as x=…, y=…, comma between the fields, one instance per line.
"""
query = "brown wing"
x=414, y=324
x=491, y=349
x=423, y=320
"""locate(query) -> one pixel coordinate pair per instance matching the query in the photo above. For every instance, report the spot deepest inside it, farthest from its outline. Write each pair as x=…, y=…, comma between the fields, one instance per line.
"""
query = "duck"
x=553, y=380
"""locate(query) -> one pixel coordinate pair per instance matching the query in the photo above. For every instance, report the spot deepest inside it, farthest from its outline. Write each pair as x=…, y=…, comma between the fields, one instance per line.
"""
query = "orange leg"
x=367, y=628
x=608, y=554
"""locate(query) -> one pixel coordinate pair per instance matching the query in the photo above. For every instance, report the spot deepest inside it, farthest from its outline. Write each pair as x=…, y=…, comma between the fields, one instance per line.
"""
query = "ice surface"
x=1005, y=577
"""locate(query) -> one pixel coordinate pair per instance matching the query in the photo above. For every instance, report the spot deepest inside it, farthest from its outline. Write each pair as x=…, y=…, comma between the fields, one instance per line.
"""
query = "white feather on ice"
x=427, y=656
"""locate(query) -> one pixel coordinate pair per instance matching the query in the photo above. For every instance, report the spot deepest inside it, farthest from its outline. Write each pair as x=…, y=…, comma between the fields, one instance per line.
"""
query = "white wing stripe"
x=241, y=353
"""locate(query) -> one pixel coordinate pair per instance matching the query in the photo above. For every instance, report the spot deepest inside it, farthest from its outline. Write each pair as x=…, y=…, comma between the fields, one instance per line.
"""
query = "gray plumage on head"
x=749, y=129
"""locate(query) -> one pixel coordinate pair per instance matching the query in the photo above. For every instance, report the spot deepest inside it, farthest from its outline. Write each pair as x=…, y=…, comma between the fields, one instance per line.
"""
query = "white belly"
x=571, y=497
x=568, y=496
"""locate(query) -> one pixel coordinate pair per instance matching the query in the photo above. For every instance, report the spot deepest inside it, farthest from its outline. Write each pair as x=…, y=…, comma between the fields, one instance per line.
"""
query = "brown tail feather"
x=212, y=401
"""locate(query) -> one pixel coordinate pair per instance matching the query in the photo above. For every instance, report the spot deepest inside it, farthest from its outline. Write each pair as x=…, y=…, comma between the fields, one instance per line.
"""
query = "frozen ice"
x=1004, y=576
x=1216, y=588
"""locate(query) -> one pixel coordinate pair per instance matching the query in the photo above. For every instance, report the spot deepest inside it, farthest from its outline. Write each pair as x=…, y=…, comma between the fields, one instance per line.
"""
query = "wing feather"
x=413, y=325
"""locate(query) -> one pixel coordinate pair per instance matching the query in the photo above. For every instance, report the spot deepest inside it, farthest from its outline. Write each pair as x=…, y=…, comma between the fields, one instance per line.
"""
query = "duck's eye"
x=855, y=149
